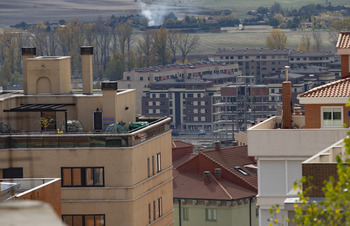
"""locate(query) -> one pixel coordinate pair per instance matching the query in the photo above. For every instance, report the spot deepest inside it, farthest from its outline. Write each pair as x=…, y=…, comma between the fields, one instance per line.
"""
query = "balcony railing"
x=80, y=140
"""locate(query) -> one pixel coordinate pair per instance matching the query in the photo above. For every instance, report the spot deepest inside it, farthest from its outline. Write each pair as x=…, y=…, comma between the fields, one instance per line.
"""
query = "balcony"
x=74, y=140
x=267, y=139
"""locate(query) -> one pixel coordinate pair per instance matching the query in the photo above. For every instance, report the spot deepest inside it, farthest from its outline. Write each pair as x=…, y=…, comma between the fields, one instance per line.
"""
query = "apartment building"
x=139, y=79
x=187, y=101
x=215, y=187
x=239, y=106
x=123, y=177
x=263, y=62
x=312, y=58
x=280, y=152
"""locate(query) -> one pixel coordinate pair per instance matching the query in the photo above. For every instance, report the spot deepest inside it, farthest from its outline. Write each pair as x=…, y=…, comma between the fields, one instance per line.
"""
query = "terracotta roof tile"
x=188, y=175
x=180, y=144
x=339, y=88
x=344, y=40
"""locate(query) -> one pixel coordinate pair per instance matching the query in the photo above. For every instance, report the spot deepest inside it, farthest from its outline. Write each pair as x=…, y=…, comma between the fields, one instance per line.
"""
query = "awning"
x=38, y=107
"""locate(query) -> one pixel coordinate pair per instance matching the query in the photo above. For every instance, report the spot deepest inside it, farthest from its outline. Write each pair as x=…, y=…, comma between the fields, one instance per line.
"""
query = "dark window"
x=82, y=176
x=128, y=78
x=149, y=213
x=160, y=207
x=154, y=210
x=16, y=172
x=162, y=95
x=153, y=165
x=158, y=163
x=84, y=220
x=148, y=168
x=141, y=78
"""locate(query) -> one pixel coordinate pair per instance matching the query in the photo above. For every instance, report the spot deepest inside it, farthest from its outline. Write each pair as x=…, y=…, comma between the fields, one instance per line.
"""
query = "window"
x=332, y=116
x=14, y=172
x=162, y=95
x=82, y=176
x=242, y=171
x=84, y=220
x=141, y=78
x=154, y=210
x=158, y=163
x=149, y=213
x=128, y=78
x=185, y=214
x=148, y=168
x=210, y=214
x=153, y=164
x=160, y=207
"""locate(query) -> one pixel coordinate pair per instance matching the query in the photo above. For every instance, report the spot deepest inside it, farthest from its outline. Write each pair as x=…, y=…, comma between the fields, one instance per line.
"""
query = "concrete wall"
x=127, y=190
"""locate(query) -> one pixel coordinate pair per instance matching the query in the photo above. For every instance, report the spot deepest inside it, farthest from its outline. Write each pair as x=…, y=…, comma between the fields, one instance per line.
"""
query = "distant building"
x=216, y=187
x=140, y=79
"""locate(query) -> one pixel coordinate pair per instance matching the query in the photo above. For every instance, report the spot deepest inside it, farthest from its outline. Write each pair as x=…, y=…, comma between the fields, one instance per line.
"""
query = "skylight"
x=242, y=171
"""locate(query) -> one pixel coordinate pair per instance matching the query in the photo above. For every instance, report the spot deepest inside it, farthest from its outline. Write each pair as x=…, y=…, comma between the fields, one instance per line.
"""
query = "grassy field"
x=252, y=37
x=241, y=7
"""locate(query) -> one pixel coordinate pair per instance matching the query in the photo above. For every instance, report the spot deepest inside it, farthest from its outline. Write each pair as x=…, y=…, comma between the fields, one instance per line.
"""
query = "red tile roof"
x=188, y=175
x=180, y=144
x=343, y=40
x=339, y=88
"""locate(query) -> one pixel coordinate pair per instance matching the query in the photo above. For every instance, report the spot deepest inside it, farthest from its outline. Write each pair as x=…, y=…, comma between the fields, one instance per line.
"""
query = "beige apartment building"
x=123, y=177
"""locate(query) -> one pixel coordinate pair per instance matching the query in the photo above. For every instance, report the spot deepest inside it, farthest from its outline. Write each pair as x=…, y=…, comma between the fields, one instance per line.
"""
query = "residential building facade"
x=215, y=187
x=121, y=177
x=280, y=152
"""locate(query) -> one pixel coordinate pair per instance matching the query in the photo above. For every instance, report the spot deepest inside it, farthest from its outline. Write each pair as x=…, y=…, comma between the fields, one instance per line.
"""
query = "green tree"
x=115, y=67
x=277, y=39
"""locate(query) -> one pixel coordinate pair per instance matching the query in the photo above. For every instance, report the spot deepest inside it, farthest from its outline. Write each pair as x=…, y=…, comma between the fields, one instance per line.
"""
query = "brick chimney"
x=217, y=146
x=218, y=173
x=86, y=68
x=206, y=177
x=287, y=102
x=343, y=49
x=26, y=53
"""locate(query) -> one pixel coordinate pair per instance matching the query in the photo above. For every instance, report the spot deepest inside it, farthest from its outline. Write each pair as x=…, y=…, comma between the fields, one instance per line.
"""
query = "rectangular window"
x=160, y=207
x=148, y=168
x=332, y=116
x=149, y=213
x=84, y=220
x=185, y=214
x=153, y=165
x=154, y=210
x=158, y=163
x=82, y=176
x=210, y=214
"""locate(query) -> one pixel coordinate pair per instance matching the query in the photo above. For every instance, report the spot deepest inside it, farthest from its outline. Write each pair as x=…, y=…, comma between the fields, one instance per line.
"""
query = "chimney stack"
x=218, y=173
x=217, y=146
x=26, y=53
x=206, y=177
x=287, y=102
x=86, y=68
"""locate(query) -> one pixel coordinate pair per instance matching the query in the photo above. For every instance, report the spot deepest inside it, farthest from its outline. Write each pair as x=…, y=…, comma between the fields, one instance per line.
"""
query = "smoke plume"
x=154, y=13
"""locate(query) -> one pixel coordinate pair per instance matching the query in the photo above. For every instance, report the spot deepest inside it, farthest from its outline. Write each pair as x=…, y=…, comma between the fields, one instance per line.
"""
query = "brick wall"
x=319, y=173
x=313, y=115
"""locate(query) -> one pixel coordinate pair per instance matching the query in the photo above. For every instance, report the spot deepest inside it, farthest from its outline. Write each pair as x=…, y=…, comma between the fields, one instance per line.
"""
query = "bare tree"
x=160, y=45
x=146, y=46
x=173, y=40
x=187, y=43
x=317, y=40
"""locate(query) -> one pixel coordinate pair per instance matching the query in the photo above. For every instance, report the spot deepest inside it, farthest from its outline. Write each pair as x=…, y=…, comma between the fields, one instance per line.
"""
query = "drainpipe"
x=179, y=211
x=250, y=211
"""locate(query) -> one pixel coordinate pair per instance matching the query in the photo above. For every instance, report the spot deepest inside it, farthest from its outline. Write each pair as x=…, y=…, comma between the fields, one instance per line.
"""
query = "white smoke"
x=154, y=13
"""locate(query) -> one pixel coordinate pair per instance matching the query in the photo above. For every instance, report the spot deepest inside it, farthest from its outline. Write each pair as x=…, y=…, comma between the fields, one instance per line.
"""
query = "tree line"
x=116, y=48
